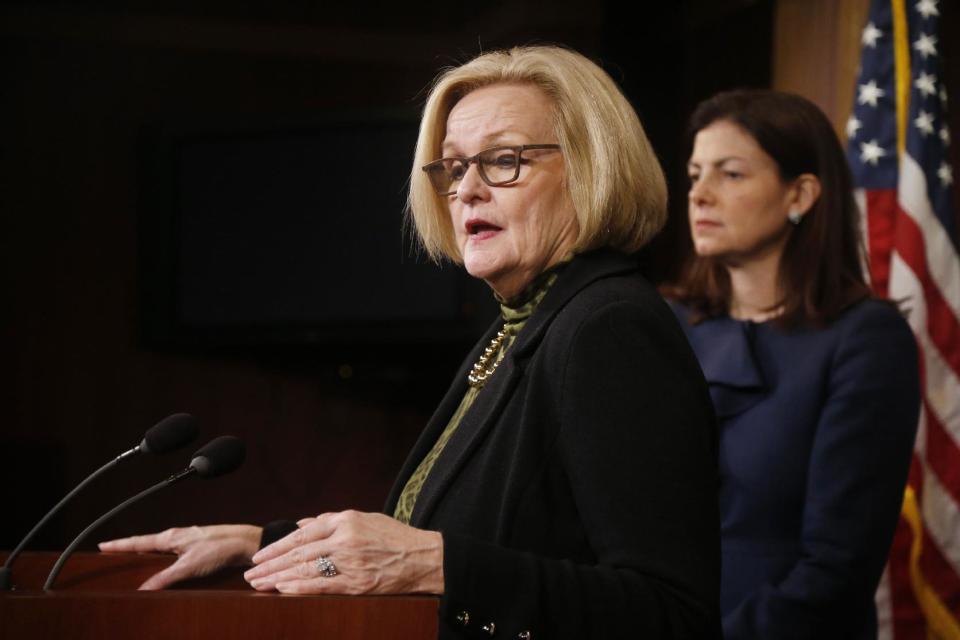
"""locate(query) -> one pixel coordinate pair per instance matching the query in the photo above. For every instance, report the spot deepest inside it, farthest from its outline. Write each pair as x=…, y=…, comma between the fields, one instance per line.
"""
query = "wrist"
x=243, y=540
x=250, y=535
x=433, y=581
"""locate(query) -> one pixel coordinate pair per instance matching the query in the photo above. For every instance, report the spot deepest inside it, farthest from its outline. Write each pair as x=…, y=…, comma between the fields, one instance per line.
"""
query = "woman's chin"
x=496, y=279
x=708, y=249
x=481, y=266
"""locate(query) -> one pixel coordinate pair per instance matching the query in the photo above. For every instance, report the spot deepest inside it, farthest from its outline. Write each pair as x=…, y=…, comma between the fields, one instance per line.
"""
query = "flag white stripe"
x=941, y=518
x=942, y=260
x=883, y=599
x=860, y=196
x=942, y=387
x=920, y=444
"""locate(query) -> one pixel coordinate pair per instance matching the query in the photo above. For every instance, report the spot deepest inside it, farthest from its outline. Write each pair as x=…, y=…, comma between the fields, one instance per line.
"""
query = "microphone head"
x=170, y=434
x=219, y=456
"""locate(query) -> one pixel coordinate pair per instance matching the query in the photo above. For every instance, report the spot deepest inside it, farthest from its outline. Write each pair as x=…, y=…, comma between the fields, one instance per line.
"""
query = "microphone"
x=169, y=434
x=218, y=457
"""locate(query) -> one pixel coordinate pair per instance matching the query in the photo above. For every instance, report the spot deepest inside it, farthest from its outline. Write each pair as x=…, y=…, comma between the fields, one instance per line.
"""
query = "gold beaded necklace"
x=514, y=316
x=483, y=369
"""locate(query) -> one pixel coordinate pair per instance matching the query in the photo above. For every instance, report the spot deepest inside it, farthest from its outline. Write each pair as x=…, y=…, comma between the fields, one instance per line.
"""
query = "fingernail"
x=256, y=556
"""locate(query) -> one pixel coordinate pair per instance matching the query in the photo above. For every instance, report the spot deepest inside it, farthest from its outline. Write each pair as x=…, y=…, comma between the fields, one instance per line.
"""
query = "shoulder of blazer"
x=582, y=272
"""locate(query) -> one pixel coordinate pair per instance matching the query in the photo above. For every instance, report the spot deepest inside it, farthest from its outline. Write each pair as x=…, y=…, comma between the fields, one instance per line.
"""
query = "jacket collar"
x=581, y=272
x=725, y=349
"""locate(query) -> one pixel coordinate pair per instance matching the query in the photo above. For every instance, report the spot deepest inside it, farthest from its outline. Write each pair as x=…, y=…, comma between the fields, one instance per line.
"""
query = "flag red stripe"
x=908, y=620
x=942, y=454
x=942, y=326
x=936, y=570
x=881, y=217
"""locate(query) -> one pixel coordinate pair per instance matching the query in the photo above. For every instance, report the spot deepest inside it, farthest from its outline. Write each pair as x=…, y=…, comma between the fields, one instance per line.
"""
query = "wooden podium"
x=96, y=597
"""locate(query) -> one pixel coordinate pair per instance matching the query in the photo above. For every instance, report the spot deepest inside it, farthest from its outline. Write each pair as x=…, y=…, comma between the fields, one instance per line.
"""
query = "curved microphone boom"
x=218, y=457
x=169, y=434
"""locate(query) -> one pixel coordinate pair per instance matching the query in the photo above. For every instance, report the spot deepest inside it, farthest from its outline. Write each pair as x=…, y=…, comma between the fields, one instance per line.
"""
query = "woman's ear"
x=803, y=194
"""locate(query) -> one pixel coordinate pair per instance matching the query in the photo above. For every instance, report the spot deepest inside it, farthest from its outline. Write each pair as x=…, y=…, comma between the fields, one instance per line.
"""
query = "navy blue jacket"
x=816, y=434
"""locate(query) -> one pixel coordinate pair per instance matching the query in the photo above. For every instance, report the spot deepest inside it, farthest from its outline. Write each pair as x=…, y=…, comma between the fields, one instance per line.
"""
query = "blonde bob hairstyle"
x=613, y=178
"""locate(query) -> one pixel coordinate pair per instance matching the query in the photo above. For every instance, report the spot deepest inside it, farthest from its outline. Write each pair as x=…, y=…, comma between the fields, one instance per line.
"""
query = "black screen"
x=297, y=235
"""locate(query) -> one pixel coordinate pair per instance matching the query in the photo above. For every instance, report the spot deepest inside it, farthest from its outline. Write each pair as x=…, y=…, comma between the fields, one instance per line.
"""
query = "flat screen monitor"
x=292, y=234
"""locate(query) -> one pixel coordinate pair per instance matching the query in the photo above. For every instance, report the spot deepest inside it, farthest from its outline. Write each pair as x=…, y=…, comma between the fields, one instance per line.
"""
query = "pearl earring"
x=795, y=217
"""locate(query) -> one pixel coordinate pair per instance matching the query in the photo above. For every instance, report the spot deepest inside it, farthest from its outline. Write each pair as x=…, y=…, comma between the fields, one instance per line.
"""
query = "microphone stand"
x=5, y=571
x=48, y=585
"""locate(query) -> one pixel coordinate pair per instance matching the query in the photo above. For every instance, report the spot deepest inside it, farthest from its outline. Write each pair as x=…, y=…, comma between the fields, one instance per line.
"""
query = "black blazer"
x=578, y=496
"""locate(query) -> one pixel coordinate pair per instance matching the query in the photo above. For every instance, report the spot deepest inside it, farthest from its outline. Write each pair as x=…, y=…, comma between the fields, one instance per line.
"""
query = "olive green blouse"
x=515, y=315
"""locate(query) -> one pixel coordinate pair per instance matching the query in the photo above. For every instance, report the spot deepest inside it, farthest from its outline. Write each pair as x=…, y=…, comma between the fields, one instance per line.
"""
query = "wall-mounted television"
x=292, y=233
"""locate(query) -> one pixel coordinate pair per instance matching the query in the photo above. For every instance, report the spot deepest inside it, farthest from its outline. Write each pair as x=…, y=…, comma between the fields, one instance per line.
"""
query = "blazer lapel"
x=725, y=349
x=439, y=420
x=488, y=405
x=481, y=416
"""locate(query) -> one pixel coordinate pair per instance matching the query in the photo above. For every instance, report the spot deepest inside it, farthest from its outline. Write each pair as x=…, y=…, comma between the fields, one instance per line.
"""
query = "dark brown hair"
x=820, y=271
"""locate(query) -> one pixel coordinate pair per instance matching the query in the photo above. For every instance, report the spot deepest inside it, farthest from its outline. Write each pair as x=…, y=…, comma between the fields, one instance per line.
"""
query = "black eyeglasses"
x=497, y=166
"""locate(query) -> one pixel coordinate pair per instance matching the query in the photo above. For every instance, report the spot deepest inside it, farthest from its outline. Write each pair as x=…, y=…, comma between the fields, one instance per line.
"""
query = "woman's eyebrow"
x=494, y=139
x=719, y=162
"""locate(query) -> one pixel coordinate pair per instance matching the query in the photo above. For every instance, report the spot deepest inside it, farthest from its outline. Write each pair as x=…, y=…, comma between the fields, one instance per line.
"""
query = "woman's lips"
x=706, y=225
x=481, y=229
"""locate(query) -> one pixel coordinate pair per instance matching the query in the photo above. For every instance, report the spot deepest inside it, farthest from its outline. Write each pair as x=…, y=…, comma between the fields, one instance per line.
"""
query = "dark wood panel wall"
x=76, y=85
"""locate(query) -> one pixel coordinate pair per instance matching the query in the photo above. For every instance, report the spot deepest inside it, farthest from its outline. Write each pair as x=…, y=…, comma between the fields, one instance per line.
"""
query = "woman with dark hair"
x=815, y=384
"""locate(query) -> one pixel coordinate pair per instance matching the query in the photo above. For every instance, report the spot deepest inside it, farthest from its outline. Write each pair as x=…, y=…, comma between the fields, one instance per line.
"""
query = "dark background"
x=327, y=427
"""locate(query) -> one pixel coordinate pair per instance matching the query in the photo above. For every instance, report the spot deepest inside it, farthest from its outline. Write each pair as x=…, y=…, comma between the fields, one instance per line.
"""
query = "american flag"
x=898, y=150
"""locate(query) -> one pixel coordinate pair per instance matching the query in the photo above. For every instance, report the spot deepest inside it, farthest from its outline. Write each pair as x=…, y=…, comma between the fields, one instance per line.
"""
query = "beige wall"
x=816, y=50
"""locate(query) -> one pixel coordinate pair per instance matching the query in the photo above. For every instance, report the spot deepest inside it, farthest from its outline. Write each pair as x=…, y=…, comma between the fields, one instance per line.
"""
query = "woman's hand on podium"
x=200, y=550
x=372, y=554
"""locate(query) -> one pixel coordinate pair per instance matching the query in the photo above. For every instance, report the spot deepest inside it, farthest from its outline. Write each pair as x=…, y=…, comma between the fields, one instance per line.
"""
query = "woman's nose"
x=472, y=187
x=699, y=191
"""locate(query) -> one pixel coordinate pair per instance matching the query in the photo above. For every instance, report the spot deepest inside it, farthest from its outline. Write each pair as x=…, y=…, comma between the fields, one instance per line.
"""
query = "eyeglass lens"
x=497, y=166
